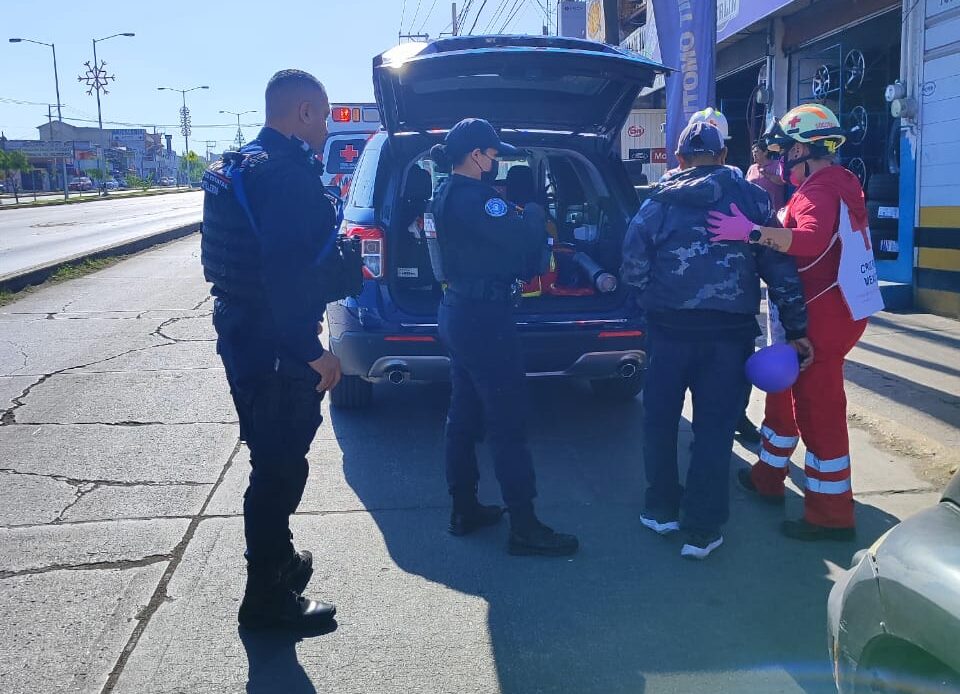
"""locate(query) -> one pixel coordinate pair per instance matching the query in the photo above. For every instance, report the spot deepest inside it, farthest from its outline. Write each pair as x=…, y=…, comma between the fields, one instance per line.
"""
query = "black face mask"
x=490, y=176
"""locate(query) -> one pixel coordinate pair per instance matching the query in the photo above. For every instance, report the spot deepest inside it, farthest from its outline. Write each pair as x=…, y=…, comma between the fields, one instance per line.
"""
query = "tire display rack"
x=850, y=81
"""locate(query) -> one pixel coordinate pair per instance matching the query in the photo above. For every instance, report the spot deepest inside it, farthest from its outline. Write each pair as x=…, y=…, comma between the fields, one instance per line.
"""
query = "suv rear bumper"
x=585, y=354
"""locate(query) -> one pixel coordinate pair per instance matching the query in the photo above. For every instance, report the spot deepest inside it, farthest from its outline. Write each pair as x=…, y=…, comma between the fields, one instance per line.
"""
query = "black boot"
x=746, y=483
x=808, y=532
x=469, y=515
x=270, y=604
x=747, y=431
x=529, y=536
x=296, y=574
x=468, y=521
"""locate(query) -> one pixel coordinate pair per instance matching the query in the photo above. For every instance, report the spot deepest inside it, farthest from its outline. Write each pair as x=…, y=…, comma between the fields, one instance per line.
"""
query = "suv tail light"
x=371, y=248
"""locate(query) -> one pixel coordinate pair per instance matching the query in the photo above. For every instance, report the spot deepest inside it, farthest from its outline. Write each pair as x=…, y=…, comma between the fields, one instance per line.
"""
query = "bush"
x=135, y=181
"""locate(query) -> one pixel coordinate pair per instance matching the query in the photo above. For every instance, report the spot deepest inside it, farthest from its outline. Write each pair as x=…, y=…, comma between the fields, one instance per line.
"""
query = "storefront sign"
x=41, y=149
x=732, y=16
x=736, y=15
x=596, y=22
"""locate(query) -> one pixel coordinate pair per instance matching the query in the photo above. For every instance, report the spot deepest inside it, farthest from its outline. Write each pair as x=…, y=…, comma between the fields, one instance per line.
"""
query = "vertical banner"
x=687, y=30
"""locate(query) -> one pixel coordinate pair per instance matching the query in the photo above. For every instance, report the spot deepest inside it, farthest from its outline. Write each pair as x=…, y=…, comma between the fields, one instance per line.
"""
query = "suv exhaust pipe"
x=397, y=376
x=628, y=369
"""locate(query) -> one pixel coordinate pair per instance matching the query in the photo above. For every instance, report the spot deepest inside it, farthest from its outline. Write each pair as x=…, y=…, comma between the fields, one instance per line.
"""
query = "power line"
x=403, y=14
x=429, y=14
x=477, y=18
x=488, y=29
x=462, y=14
x=6, y=100
x=516, y=9
x=162, y=125
x=415, y=15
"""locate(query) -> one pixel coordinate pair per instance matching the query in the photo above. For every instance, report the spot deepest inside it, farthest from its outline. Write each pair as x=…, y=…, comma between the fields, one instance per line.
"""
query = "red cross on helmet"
x=811, y=124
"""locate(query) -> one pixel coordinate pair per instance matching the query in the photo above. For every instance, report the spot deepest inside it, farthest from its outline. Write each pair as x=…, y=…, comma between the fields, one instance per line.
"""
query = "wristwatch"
x=755, y=234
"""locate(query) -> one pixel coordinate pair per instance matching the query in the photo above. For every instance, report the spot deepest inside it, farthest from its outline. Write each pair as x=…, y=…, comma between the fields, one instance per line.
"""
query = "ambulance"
x=351, y=126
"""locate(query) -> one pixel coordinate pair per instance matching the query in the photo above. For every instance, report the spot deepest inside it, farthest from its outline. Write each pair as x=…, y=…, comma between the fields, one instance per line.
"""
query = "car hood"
x=530, y=83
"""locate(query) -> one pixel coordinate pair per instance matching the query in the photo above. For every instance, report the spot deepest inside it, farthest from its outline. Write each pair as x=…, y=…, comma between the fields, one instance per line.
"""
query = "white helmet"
x=714, y=118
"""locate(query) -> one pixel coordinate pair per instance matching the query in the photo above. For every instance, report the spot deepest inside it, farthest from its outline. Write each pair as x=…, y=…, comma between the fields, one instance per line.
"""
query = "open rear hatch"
x=529, y=83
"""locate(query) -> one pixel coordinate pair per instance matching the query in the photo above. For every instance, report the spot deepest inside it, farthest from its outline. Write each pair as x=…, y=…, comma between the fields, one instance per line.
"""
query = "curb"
x=18, y=280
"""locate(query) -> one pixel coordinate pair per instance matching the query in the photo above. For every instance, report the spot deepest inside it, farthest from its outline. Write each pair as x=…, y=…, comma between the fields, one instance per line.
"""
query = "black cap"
x=700, y=138
x=475, y=133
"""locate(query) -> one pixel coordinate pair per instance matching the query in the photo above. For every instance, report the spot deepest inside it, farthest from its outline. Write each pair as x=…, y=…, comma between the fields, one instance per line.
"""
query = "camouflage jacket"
x=669, y=259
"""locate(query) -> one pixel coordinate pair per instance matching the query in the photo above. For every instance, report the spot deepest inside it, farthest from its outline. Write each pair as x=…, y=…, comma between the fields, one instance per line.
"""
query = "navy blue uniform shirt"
x=485, y=237
x=287, y=279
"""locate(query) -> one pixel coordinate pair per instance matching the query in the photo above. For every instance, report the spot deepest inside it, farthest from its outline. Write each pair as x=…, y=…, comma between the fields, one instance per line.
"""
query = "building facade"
x=891, y=72
x=77, y=151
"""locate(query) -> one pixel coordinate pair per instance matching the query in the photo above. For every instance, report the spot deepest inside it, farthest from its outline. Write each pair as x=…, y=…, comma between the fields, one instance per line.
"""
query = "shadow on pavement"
x=626, y=614
x=930, y=401
x=908, y=358
x=934, y=336
x=273, y=663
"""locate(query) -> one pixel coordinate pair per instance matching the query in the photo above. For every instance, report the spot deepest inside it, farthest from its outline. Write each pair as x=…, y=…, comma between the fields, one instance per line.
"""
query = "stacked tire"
x=883, y=210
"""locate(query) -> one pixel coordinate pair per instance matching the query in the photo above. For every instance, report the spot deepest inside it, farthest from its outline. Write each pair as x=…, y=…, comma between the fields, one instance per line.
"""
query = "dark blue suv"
x=563, y=102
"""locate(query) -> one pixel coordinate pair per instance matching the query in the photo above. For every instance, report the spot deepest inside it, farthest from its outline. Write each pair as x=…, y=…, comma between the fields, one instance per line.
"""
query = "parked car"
x=111, y=184
x=563, y=102
x=81, y=183
x=167, y=181
x=894, y=618
x=3, y=188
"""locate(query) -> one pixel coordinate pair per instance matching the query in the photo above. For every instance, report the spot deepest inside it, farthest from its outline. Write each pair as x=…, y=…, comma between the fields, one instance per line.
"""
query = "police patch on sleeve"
x=495, y=207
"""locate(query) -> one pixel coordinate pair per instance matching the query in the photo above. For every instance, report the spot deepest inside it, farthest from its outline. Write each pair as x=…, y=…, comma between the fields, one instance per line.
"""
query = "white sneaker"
x=700, y=545
x=659, y=527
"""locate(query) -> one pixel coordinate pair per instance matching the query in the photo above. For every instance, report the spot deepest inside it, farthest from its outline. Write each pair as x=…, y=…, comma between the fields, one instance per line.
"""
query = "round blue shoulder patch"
x=495, y=207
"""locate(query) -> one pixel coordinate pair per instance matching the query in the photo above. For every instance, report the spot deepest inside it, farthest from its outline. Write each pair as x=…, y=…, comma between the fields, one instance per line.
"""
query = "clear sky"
x=233, y=47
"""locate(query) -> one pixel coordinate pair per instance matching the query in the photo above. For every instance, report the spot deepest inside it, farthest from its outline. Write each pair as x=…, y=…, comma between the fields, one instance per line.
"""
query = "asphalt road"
x=34, y=237
x=121, y=531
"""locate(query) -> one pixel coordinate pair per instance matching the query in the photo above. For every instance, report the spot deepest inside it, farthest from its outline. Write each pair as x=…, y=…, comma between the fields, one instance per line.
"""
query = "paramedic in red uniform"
x=815, y=408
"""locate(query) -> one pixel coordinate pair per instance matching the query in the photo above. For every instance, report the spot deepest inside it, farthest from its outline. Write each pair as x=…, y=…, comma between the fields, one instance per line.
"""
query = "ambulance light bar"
x=354, y=114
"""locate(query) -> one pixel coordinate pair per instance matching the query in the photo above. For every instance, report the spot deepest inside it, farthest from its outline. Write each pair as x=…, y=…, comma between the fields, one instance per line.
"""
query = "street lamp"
x=239, y=132
x=184, y=113
x=97, y=80
x=100, y=84
x=56, y=81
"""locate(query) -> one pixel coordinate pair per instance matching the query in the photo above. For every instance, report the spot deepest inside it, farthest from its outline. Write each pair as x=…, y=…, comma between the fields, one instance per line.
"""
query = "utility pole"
x=454, y=14
x=415, y=37
x=56, y=79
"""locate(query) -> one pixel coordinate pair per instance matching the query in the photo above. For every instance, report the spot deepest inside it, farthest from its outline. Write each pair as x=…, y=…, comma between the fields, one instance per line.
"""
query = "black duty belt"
x=498, y=291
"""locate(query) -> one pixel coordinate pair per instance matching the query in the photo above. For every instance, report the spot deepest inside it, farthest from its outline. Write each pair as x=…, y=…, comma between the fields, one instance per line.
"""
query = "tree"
x=193, y=166
x=14, y=162
x=98, y=176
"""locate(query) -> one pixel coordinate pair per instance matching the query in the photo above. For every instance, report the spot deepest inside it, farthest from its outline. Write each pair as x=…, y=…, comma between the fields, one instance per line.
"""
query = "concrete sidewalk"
x=121, y=531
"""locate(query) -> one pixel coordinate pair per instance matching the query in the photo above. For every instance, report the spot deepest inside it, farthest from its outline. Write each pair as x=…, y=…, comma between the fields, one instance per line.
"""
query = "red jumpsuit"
x=816, y=407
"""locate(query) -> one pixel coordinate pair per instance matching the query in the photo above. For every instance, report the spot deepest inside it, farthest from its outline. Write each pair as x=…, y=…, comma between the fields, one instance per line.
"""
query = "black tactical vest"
x=230, y=251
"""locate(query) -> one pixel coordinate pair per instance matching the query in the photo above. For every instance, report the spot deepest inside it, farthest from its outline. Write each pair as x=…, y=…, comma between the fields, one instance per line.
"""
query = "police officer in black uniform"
x=269, y=249
x=485, y=245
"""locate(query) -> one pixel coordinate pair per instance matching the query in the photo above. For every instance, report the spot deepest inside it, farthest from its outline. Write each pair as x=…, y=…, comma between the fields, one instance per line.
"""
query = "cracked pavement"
x=121, y=536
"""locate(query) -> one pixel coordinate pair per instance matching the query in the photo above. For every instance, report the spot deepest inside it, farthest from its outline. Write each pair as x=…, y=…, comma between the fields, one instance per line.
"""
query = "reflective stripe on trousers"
x=775, y=439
